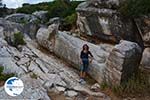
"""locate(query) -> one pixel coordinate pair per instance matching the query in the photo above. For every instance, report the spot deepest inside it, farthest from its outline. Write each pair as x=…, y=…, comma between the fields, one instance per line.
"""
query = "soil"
x=2, y=83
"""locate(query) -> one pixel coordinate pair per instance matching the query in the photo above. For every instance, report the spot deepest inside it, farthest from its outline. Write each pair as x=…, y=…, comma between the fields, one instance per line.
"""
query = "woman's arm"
x=91, y=56
x=80, y=59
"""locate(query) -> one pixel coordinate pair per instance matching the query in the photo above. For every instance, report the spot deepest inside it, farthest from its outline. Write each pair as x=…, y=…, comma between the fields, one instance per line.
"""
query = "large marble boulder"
x=2, y=32
x=123, y=62
x=42, y=15
x=6, y=59
x=45, y=36
x=68, y=48
x=8, y=28
x=20, y=18
x=100, y=19
x=29, y=22
x=146, y=59
x=31, y=29
x=105, y=3
x=143, y=23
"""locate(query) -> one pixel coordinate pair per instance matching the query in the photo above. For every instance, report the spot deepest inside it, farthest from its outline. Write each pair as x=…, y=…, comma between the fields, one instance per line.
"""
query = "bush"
x=4, y=77
x=34, y=76
x=135, y=8
x=69, y=22
x=57, y=8
x=135, y=86
x=1, y=69
x=18, y=39
x=71, y=19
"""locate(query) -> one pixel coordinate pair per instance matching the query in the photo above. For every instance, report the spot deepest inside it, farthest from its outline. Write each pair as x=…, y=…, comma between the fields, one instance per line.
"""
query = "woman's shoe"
x=81, y=79
x=83, y=82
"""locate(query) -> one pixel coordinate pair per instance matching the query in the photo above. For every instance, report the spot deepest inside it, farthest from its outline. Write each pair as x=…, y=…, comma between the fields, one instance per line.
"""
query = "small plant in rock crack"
x=18, y=39
x=34, y=76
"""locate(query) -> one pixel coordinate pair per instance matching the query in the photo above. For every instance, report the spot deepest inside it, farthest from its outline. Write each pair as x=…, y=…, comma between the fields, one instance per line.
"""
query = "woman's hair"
x=85, y=45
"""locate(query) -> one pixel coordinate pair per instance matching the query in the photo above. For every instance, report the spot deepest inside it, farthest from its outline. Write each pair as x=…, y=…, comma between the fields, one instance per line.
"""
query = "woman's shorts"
x=85, y=65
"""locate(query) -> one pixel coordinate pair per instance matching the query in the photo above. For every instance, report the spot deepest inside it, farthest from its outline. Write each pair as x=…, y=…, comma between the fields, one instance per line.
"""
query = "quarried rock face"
x=41, y=73
x=29, y=22
x=46, y=36
x=143, y=23
x=100, y=19
x=146, y=59
x=42, y=15
x=20, y=18
x=68, y=48
x=123, y=62
x=9, y=28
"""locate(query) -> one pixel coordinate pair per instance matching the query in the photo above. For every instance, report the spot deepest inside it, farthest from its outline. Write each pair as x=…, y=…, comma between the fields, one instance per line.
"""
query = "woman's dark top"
x=84, y=55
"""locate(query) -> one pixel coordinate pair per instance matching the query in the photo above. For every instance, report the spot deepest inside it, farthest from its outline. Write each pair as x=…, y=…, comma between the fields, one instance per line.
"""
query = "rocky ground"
x=45, y=76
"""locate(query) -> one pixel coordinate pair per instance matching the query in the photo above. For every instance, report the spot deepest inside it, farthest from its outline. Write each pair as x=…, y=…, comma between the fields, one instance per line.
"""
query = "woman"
x=84, y=60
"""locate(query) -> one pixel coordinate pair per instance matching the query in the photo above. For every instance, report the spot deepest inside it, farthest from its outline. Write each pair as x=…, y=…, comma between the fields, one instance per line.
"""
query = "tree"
x=135, y=8
x=1, y=4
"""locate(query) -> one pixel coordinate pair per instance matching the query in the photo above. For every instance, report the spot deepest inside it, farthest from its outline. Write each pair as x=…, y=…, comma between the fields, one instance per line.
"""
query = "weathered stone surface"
x=29, y=22
x=20, y=18
x=123, y=62
x=45, y=36
x=82, y=89
x=23, y=61
x=32, y=90
x=40, y=71
x=69, y=48
x=1, y=32
x=54, y=20
x=95, y=87
x=71, y=93
x=146, y=58
x=100, y=19
x=31, y=29
x=7, y=61
x=143, y=23
x=42, y=15
x=105, y=3
x=8, y=29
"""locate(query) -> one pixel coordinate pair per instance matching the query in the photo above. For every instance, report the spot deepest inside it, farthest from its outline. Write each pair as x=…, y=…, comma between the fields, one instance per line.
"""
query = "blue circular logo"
x=14, y=86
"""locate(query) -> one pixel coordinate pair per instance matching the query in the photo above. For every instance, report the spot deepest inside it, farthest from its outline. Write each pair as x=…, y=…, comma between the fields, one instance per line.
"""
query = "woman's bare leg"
x=81, y=74
x=84, y=74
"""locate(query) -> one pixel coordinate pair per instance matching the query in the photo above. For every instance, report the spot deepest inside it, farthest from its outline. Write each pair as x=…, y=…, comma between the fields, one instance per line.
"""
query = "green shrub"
x=134, y=8
x=57, y=8
x=135, y=86
x=104, y=85
x=18, y=39
x=4, y=77
x=34, y=76
x=1, y=69
x=71, y=19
